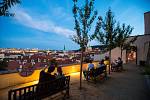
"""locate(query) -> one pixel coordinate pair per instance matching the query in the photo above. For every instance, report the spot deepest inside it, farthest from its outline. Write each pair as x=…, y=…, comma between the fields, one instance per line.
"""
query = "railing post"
x=9, y=95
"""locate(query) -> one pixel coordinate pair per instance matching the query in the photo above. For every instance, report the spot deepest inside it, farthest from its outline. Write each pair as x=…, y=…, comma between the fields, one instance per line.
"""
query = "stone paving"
x=126, y=85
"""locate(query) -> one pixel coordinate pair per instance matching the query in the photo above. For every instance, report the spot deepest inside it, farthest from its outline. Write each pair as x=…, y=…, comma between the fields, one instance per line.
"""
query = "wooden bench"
x=94, y=73
x=40, y=91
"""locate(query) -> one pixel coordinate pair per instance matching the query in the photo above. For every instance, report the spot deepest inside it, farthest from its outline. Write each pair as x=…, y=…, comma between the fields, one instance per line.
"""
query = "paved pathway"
x=126, y=85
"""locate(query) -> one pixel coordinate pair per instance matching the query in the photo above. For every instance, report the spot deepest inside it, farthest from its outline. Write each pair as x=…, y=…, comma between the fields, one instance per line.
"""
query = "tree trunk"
x=121, y=51
x=109, y=60
x=81, y=62
x=121, y=57
x=126, y=56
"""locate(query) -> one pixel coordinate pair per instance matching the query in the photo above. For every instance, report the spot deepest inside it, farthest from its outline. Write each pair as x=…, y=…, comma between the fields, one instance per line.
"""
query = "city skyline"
x=47, y=24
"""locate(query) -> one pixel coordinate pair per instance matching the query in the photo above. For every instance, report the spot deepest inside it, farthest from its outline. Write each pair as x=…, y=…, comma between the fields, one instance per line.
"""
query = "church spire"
x=64, y=48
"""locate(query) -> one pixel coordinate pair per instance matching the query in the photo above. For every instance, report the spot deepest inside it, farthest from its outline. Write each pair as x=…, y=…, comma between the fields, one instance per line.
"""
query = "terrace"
x=36, y=19
x=126, y=85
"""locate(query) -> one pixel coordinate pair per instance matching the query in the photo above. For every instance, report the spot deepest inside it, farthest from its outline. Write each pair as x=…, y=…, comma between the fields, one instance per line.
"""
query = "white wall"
x=142, y=47
x=116, y=52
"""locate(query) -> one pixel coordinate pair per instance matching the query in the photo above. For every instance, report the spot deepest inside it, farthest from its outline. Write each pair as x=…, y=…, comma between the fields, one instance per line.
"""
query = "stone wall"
x=142, y=47
x=147, y=22
x=15, y=79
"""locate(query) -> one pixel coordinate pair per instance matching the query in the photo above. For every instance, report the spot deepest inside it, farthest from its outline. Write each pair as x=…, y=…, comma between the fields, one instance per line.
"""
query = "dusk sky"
x=48, y=24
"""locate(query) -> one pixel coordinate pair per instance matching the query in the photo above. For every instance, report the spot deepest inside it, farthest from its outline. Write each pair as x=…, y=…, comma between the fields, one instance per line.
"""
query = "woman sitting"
x=59, y=72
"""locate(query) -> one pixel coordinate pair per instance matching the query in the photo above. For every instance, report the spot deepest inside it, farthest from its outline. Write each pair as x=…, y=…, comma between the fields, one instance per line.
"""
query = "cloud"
x=60, y=12
x=44, y=25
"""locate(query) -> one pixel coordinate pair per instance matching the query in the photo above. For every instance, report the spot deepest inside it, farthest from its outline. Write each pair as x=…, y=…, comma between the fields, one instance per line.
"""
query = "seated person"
x=59, y=72
x=114, y=63
x=100, y=69
x=101, y=63
x=119, y=63
x=44, y=78
x=119, y=60
x=47, y=76
x=90, y=65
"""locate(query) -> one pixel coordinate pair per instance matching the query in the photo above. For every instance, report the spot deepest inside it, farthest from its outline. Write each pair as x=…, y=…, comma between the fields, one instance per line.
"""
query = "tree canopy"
x=83, y=18
x=5, y=5
x=123, y=32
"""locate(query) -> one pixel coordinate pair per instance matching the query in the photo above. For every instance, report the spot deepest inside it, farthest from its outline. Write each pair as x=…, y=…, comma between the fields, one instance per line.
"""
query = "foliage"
x=109, y=30
x=83, y=19
x=5, y=5
x=3, y=64
x=147, y=70
x=123, y=32
x=107, y=33
x=128, y=44
x=106, y=30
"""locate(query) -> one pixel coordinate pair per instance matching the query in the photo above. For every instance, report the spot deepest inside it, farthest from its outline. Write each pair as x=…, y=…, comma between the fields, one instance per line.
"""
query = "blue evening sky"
x=48, y=24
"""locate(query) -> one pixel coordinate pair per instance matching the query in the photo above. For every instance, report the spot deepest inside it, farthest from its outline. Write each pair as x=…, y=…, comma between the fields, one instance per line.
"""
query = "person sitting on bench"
x=89, y=68
x=117, y=64
x=114, y=64
x=59, y=72
x=90, y=65
x=47, y=76
x=101, y=64
x=44, y=78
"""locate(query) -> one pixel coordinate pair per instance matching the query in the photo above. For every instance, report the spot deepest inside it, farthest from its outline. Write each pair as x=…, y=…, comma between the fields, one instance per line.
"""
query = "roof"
x=140, y=35
x=147, y=12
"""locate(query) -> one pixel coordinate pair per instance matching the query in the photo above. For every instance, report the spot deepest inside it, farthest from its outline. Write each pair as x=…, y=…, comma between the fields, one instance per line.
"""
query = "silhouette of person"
x=47, y=76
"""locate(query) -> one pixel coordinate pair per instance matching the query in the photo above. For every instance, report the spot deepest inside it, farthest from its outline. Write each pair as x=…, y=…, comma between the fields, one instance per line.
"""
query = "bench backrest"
x=41, y=90
x=100, y=70
x=97, y=71
x=120, y=63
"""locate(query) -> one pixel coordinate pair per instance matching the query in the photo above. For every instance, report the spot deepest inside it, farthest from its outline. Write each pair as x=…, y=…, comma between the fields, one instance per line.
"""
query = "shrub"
x=147, y=70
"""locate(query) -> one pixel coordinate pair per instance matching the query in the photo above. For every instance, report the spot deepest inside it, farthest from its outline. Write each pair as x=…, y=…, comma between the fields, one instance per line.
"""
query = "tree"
x=123, y=32
x=5, y=5
x=107, y=33
x=3, y=64
x=83, y=19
